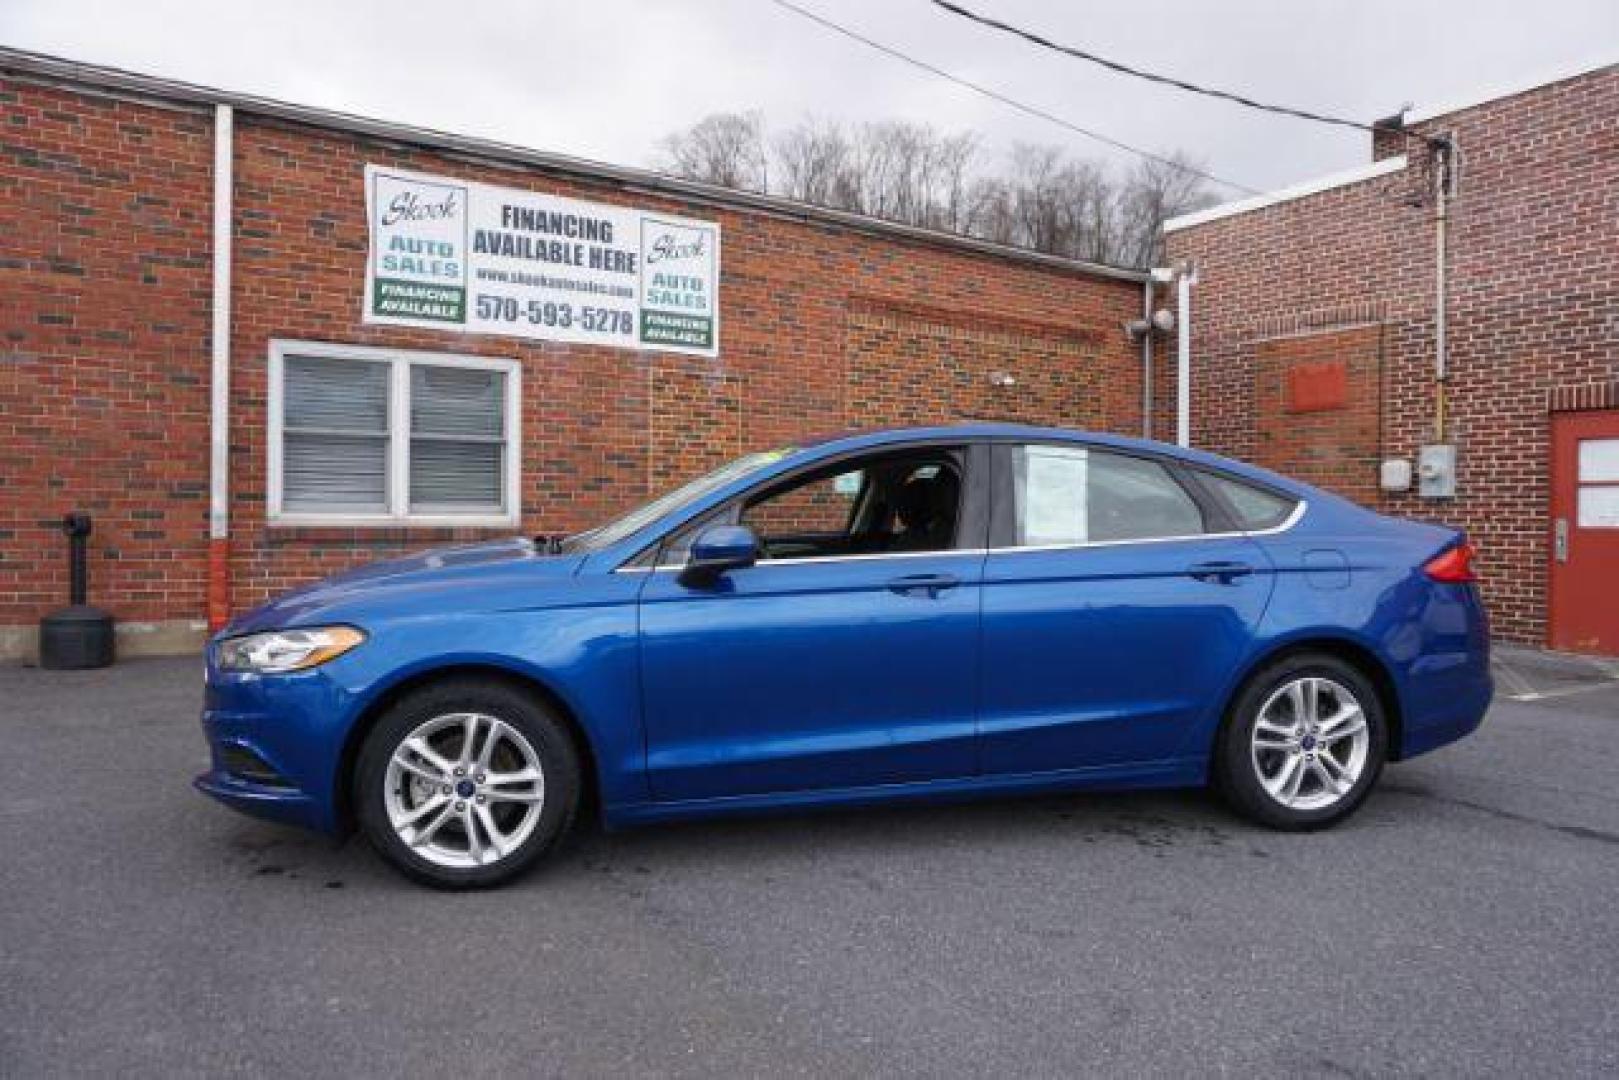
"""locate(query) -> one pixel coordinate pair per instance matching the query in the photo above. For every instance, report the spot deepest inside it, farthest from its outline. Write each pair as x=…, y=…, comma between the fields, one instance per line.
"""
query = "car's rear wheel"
x=1303, y=744
x=466, y=783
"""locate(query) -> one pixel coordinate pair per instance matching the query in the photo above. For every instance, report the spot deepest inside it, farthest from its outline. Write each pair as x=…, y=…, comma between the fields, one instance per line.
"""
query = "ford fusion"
x=929, y=613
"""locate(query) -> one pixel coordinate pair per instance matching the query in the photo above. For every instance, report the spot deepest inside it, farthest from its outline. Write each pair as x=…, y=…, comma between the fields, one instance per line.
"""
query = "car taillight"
x=1453, y=567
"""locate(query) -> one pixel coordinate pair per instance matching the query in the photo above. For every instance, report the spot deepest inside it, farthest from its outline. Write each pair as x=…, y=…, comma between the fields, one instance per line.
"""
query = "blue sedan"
x=930, y=613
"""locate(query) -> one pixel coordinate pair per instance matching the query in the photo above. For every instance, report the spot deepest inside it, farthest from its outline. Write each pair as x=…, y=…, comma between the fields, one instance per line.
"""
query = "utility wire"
x=1163, y=80
x=996, y=95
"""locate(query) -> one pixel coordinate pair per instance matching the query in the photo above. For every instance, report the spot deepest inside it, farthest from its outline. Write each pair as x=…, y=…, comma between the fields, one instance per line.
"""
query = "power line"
x=1164, y=80
x=996, y=95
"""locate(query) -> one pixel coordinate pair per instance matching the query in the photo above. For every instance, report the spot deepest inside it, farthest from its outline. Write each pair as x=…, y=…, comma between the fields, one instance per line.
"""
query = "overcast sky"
x=605, y=79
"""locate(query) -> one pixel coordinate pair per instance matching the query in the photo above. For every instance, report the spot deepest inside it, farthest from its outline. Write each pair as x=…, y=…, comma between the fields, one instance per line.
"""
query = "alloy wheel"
x=1310, y=743
x=464, y=789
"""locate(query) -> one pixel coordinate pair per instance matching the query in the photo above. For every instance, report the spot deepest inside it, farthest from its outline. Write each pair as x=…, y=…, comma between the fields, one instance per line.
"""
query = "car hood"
x=495, y=574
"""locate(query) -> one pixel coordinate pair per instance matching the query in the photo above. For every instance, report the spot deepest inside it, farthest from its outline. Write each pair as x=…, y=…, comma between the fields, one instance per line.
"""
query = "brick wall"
x=1316, y=407
x=1534, y=315
x=959, y=364
x=104, y=278
x=104, y=285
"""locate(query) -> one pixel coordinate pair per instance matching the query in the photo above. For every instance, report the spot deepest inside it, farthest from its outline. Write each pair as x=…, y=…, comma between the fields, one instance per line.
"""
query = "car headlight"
x=286, y=650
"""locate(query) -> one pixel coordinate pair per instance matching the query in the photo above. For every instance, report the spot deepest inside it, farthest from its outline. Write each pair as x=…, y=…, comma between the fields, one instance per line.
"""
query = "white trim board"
x=1287, y=194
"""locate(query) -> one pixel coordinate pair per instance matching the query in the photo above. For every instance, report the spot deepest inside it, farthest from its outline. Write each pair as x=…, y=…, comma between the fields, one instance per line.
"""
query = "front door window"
x=892, y=503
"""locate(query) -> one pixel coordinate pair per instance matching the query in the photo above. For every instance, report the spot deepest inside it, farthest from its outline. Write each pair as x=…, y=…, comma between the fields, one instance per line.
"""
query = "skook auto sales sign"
x=449, y=254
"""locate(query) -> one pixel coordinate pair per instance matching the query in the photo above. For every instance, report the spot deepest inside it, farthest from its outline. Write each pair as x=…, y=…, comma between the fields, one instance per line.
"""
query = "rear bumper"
x=1455, y=715
x=1448, y=686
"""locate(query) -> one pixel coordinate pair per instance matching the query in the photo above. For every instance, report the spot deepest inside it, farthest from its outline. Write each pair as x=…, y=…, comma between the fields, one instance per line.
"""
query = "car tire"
x=1302, y=744
x=455, y=816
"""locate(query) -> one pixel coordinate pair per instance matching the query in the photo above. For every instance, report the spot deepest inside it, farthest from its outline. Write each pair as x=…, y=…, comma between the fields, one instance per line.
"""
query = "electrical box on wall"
x=1395, y=475
x=1436, y=471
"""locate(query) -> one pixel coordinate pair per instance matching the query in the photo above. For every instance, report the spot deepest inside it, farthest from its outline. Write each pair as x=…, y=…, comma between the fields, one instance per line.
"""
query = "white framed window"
x=368, y=436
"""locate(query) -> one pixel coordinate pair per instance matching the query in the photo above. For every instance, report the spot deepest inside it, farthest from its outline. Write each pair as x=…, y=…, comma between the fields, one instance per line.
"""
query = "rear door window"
x=1066, y=495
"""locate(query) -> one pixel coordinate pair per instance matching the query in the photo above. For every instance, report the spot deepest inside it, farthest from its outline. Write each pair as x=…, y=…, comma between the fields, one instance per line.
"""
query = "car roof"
x=806, y=452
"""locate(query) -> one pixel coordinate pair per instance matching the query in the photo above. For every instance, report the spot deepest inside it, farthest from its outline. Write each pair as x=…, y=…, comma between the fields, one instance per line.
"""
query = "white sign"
x=454, y=255
x=1056, y=495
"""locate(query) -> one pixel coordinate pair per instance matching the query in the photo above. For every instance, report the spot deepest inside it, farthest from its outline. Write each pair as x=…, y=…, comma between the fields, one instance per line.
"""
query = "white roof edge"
x=1560, y=73
x=1287, y=194
x=56, y=69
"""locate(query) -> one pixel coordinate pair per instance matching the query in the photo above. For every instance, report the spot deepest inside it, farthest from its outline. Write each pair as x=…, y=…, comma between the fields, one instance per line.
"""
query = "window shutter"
x=334, y=435
x=457, y=439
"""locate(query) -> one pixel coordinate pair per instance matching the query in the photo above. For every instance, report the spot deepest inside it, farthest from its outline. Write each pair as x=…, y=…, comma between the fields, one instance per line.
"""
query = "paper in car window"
x=848, y=483
x=1055, y=503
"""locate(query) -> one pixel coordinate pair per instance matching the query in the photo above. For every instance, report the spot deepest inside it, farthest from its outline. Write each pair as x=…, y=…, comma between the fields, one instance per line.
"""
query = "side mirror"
x=717, y=549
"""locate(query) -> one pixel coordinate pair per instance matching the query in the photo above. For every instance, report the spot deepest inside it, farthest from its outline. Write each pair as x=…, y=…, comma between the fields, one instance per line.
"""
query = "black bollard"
x=77, y=636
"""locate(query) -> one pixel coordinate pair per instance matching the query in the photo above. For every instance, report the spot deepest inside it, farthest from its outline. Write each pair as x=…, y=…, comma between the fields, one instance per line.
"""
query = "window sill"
x=377, y=532
x=381, y=521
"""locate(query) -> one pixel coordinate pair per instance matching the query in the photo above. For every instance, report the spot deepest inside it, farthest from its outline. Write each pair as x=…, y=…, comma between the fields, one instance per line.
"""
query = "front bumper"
x=276, y=744
x=282, y=805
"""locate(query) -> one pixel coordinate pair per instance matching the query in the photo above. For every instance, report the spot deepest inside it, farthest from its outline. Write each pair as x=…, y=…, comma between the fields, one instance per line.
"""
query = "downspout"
x=1443, y=164
x=1146, y=359
x=219, y=383
x=1183, y=367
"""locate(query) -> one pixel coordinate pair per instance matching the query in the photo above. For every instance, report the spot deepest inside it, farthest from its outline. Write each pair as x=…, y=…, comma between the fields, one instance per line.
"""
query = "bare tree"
x=912, y=173
x=1050, y=203
x=955, y=158
x=724, y=148
x=1154, y=192
x=989, y=211
x=896, y=170
x=815, y=164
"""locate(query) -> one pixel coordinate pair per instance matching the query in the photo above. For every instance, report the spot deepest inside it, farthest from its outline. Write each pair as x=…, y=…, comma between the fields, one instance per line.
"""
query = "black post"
x=77, y=636
x=77, y=527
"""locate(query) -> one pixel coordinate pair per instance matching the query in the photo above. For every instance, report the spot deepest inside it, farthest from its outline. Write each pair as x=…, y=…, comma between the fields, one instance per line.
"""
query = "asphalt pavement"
x=1463, y=924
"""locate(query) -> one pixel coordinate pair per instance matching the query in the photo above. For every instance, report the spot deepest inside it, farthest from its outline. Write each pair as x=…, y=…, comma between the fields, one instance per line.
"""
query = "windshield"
x=644, y=515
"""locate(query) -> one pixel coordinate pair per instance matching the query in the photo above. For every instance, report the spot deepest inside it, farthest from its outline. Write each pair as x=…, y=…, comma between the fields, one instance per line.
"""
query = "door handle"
x=1220, y=571
x=1560, y=540
x=930, y=585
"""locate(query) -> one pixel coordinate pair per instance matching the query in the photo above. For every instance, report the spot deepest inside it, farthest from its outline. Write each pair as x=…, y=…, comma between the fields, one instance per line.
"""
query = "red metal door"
x=1585, y=532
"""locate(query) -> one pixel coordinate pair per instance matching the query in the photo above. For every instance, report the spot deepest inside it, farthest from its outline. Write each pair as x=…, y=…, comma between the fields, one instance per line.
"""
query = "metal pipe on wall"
x=218, y=587
x=1146, y=359
x=1442, y=163
x=1183, y=367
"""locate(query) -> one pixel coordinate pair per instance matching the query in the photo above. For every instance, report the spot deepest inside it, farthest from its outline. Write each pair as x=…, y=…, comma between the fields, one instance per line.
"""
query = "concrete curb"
x=1526, y=674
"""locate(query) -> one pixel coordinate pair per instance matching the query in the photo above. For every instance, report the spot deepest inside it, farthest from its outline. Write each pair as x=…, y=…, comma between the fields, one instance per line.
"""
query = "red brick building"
x=209, y=403
x=1314, y=339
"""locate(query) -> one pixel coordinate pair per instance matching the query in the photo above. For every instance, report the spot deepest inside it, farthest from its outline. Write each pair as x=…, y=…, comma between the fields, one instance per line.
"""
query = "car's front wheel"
x=1303, y=744
x=466, y=783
